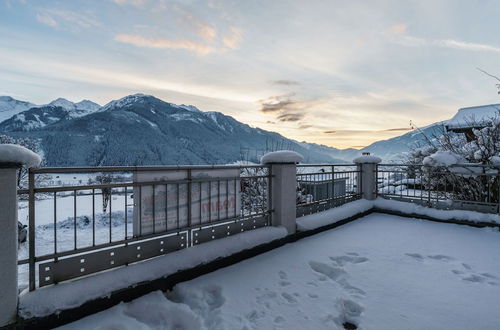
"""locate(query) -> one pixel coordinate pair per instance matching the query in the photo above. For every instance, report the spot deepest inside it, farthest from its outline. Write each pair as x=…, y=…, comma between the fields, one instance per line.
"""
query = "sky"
x=339, y=73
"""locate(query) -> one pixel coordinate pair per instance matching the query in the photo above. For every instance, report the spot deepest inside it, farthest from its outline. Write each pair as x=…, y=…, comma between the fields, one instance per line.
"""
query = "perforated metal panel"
x=88, y=263
x=224, y=230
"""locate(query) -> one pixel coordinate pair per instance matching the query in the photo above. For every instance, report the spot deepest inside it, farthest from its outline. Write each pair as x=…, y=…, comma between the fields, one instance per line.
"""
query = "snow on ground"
x=380, y=272
x=320, y=219
x=412, y=208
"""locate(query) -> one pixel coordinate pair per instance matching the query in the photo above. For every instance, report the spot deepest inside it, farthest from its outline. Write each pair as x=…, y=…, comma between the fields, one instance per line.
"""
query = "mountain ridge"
x=88, y=126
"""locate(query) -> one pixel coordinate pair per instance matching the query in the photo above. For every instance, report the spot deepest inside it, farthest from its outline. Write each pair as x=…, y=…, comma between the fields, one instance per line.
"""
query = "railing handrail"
x=440, y=166
x=97, y=169
x=324, y=165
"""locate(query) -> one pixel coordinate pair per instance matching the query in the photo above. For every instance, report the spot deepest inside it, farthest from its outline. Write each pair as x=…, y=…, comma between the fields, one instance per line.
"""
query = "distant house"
x=467, y=119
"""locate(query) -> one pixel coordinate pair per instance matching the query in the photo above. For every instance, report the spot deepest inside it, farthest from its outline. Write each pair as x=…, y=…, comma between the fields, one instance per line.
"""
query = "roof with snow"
x=473, y=117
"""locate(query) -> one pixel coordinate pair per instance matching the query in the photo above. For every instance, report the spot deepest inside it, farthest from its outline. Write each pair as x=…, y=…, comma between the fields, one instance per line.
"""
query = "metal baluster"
x=140, y=210
x=178, y=203
x=189, y=204
x=154, y=208
x=110, y=213
x=200, y=186
x=166, y=207
x=74, y=217
x=93, y=217
x=235, y=197
x=218, y=199
x=209, y=201
x=227, y=199
x=55, y=225
x=126, y=214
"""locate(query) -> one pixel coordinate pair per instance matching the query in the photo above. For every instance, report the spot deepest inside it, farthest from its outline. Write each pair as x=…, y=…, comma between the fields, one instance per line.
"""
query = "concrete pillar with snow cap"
x=283, y=168
x=367, y=177
x=12, y=157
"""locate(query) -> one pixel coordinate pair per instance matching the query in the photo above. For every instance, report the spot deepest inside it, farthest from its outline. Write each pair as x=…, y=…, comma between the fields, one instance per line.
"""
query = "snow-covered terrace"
x=360, y=263
x=379, y=272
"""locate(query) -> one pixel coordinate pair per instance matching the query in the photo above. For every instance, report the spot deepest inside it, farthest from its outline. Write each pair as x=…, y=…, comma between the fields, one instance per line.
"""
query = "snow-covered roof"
x=473, y=116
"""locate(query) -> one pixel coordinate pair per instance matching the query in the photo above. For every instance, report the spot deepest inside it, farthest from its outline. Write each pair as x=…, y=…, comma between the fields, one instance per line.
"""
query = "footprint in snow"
x=342, y=260
x=279, y=319
x=332, y=273
x=335, y=274
x=349, y=313
x=282, y=275
x=441, y=257
x=474, y=278
x=289, y=298
x=415, y=256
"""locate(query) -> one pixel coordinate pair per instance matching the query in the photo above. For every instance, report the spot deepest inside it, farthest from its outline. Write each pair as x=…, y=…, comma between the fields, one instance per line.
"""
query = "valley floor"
x=380, y=272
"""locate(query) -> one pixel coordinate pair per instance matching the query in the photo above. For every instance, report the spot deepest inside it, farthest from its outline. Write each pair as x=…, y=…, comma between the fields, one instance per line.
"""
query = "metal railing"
x=321, y=187
x=462, y=186
x=121, y=215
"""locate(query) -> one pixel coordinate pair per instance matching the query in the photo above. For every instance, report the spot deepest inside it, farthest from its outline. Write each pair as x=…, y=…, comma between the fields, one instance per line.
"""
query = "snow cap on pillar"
x=366, y=158
x=17, y=155
x=281, y=157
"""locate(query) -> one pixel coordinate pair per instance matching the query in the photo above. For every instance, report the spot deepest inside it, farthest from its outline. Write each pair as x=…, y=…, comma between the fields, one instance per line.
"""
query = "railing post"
x=283, y=193
x=12, y=157
x=8, y=243
x=367, y=176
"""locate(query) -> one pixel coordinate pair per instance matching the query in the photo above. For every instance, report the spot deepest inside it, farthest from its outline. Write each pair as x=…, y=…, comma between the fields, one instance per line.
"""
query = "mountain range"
x=143, y=130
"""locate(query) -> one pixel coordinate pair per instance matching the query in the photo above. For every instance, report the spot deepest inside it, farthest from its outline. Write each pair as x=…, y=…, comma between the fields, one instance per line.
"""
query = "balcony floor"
x=380, y=272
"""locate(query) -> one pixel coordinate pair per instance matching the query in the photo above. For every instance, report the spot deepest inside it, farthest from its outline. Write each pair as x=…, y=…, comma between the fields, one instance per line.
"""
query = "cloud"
x=47, y=20
x=137, y=3
x=276, y=103
x=202, y=29
x=285, y=108
x=410, y=41
x=397, y=129
x=233, y=39
x=467, y=46
x=399, y=28
x=70, y=19
x=290, y=116
x=285, y=82
x=163, y=43
x=330, y=132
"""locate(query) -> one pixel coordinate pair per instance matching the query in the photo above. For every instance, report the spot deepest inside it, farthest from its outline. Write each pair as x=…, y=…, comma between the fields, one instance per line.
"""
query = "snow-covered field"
x=380, y=272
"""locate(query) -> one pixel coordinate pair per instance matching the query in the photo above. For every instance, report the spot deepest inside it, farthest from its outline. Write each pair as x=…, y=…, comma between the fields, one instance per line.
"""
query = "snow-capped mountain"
x=27, y=116
x=79, y=109
x=143, y=130
x=10, y=107
x=35, y=118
